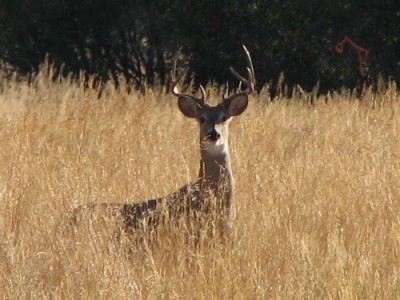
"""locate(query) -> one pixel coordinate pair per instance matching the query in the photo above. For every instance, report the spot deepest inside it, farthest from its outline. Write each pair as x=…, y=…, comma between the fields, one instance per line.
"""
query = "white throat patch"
x=215, y=149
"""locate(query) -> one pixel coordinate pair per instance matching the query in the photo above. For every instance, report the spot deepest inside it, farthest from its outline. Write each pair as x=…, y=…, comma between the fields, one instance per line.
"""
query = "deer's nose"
x=213, y=135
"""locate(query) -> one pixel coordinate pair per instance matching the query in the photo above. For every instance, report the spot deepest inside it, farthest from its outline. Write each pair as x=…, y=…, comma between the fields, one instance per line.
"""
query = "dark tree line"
x=134, y=40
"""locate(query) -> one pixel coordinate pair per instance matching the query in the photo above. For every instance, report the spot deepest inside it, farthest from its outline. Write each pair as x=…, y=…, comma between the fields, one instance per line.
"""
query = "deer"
x=212, y=192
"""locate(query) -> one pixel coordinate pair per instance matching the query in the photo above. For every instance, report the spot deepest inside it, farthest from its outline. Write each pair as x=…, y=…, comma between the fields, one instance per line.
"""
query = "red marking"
x=362, y=53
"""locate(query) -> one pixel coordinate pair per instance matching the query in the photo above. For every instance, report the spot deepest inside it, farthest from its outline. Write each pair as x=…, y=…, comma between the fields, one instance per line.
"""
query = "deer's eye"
x=202, y=120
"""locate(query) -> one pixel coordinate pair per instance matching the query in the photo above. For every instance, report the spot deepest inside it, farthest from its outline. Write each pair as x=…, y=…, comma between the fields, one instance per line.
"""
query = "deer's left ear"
x=189, y=107
x=236, y=104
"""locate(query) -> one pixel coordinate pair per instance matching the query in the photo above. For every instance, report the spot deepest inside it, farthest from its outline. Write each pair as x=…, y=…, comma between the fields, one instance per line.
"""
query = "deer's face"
x=213, y=120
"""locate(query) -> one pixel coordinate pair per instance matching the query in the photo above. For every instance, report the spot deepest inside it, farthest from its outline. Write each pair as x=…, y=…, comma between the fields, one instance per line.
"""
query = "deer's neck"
x=216, y=171
x=216, y=175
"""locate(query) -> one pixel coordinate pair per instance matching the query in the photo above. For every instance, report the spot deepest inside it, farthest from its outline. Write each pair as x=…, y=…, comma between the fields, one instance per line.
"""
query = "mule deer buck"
x=212, y=193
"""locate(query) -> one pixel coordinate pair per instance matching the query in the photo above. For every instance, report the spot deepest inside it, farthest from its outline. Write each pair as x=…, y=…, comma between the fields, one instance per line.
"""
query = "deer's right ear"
x=189, y=106
x=236, y=104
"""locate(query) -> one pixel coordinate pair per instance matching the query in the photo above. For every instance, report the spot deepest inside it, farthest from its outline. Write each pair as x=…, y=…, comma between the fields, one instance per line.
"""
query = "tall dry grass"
x=317, y=196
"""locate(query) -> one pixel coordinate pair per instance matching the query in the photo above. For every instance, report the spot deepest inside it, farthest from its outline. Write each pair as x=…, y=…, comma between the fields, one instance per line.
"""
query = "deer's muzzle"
x=213, y=135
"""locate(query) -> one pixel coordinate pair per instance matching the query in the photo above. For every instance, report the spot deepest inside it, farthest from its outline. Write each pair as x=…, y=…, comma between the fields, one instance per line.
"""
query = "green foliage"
x=134, y=40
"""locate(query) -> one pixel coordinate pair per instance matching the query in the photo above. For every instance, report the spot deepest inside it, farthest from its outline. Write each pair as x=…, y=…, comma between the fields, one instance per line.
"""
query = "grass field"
x=317, y=196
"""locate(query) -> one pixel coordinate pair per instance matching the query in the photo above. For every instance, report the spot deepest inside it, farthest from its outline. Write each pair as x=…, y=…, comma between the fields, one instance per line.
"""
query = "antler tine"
x=226, y=90
x=250, y=67
x=203, y=92
x=250, y=81
x=175, y=80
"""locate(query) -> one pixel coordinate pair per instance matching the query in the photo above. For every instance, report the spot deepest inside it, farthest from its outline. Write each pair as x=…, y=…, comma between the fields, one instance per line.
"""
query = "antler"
x=175, y=81
x=250, y=81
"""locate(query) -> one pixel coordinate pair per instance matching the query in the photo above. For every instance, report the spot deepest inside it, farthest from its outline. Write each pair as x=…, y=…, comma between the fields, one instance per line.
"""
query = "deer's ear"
x=236, y=104
x=189, y=107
